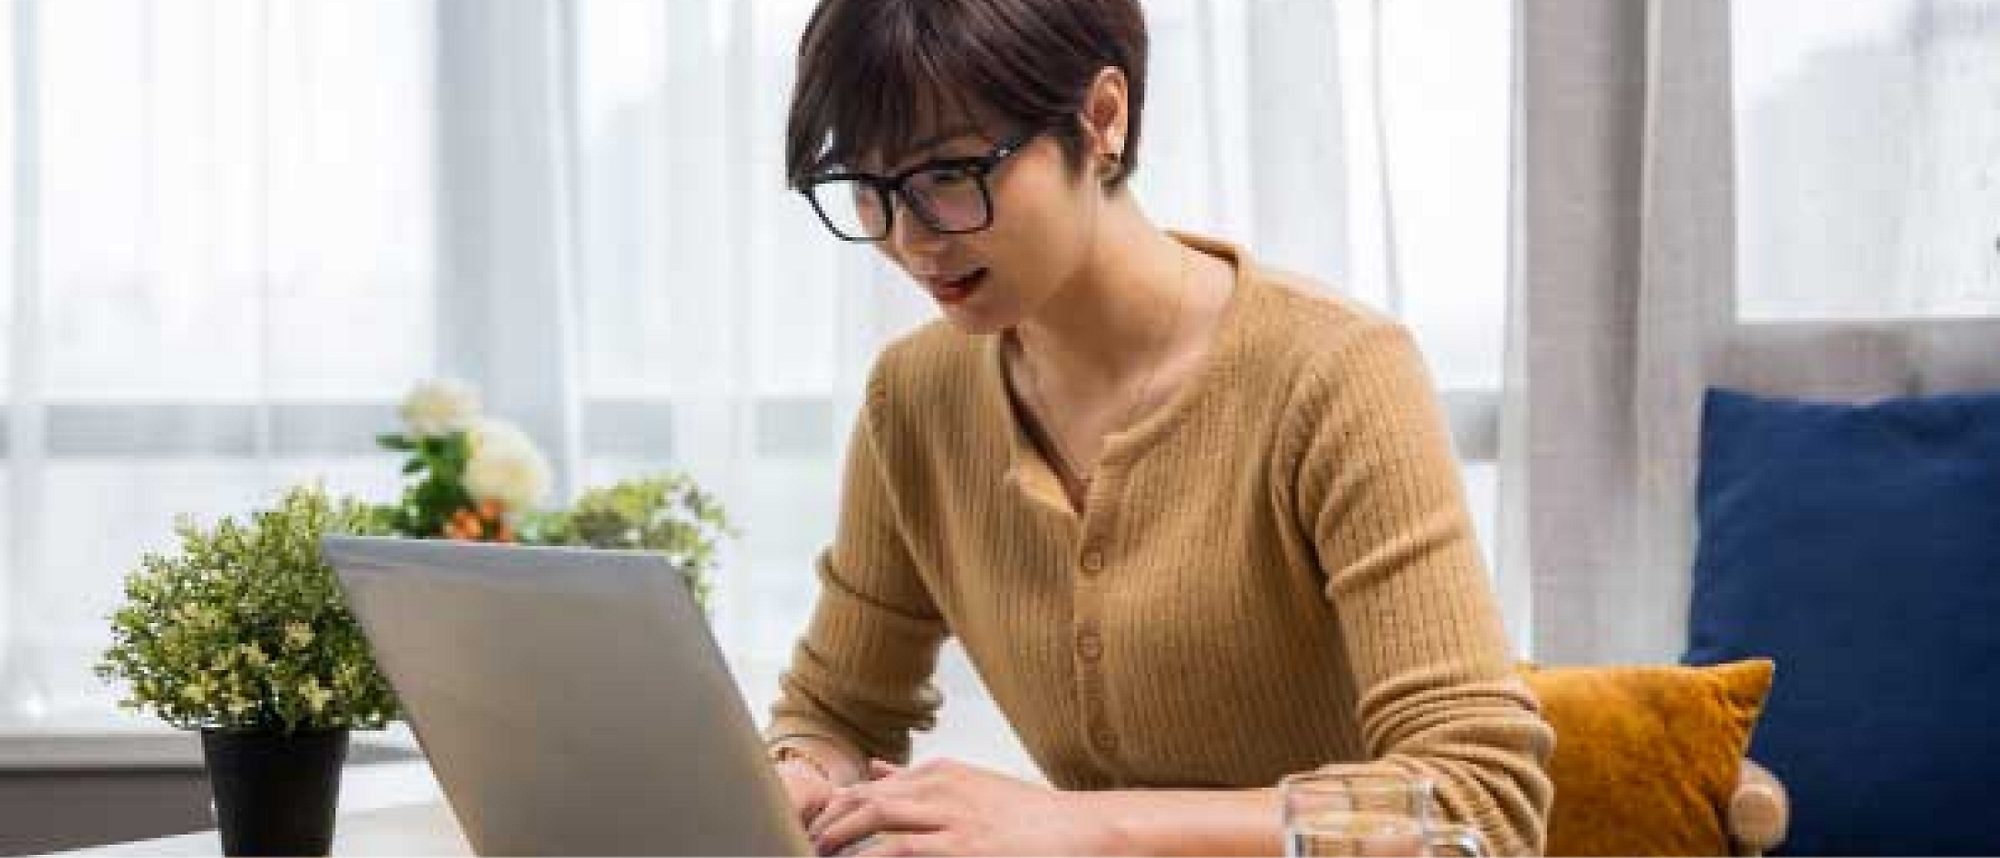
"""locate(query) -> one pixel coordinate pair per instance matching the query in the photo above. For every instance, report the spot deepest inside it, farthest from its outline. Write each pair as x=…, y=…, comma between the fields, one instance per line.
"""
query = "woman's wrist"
x=789, y=756
x=1195, y=822
x=819, y=757
x=1116, y=834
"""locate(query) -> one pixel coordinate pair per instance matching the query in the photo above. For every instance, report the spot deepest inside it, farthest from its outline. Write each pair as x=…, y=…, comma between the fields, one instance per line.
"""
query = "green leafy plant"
x=244, y=627
x=438, y=491
x=667, y=513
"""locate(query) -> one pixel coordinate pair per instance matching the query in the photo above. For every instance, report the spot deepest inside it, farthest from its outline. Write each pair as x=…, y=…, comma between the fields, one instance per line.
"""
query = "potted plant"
x=243, y=635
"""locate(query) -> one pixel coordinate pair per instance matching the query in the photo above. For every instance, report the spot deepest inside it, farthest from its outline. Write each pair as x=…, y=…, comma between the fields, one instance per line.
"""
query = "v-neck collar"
x=1032, y=473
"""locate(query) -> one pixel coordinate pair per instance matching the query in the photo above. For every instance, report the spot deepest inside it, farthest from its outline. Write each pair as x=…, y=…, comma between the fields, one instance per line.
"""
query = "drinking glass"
x=1336, y=813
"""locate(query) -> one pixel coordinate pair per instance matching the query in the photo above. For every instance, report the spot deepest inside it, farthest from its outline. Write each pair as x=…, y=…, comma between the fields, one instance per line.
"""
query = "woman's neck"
x=1114, y=320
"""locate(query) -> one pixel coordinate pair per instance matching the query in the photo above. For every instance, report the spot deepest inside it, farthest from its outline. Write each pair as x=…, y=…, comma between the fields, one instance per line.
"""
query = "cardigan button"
x=1090, y=644
x=1093, y=561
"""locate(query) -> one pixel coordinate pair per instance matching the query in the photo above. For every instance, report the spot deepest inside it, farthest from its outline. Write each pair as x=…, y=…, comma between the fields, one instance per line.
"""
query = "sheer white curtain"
x=220, y=264
x=282, y=213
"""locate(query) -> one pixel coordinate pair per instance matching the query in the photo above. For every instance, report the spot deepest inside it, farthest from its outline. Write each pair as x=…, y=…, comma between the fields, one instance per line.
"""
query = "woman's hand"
x=946, y=807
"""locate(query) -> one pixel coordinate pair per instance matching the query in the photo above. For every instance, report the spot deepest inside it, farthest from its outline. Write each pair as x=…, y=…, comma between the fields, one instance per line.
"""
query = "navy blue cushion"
x=1859, y=547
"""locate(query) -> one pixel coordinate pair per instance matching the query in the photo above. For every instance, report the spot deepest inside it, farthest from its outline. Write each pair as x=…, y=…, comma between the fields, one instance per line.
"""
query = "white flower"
x=440, y=407
x=298, y=634
x=506, y=465
x=497, y=435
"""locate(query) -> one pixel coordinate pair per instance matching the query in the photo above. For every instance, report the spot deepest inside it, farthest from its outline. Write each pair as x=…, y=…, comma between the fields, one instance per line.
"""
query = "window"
x=232, y=220
x=1868, y=159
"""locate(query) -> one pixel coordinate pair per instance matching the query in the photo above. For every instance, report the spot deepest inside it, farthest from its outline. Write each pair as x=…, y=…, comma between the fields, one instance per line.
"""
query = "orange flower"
x=464, y=524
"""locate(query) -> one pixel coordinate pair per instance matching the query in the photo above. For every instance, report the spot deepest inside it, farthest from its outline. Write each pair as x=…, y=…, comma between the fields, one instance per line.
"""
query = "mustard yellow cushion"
x=1646, y=757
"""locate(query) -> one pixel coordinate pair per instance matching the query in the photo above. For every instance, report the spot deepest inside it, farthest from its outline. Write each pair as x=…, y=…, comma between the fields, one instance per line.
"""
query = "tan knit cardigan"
x=1275, y=571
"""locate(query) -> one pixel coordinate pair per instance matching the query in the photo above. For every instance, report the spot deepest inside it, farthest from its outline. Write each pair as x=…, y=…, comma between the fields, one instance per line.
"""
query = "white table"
x=385, y=809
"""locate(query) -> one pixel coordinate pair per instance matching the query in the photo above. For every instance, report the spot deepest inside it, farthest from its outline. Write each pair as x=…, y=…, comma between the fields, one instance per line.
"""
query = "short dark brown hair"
x=869, y=69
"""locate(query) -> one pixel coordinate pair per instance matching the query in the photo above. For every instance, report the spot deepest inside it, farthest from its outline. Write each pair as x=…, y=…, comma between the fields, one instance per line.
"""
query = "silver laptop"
x=570, y=701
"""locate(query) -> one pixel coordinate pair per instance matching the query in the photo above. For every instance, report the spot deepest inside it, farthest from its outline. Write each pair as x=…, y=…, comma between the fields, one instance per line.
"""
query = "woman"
x=1197, y=524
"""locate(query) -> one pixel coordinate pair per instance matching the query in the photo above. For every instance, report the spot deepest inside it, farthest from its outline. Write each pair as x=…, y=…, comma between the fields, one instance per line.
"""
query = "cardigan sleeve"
x=861, y=674
x=1380, y=497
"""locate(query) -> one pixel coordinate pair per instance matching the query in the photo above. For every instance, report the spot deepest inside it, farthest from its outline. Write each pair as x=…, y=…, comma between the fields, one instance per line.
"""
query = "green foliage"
x=429, y=502
x=666, y=513
x=245, y=628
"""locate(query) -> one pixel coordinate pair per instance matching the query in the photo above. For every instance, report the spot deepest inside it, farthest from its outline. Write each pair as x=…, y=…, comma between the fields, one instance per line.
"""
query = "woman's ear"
x=1104, y=115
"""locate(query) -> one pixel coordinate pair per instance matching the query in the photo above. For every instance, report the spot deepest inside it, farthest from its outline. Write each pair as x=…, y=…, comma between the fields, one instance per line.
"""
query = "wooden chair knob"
x=1759, y=811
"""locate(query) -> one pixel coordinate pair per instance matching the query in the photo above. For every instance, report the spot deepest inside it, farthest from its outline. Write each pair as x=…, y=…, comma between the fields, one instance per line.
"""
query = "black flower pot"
x=275, y=794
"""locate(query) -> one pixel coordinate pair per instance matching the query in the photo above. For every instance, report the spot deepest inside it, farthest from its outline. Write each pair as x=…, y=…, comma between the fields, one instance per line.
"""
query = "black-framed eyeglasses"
x=950, y=195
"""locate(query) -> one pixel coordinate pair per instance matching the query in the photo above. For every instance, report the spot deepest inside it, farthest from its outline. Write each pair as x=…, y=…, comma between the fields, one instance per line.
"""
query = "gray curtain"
x=1621, y=286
